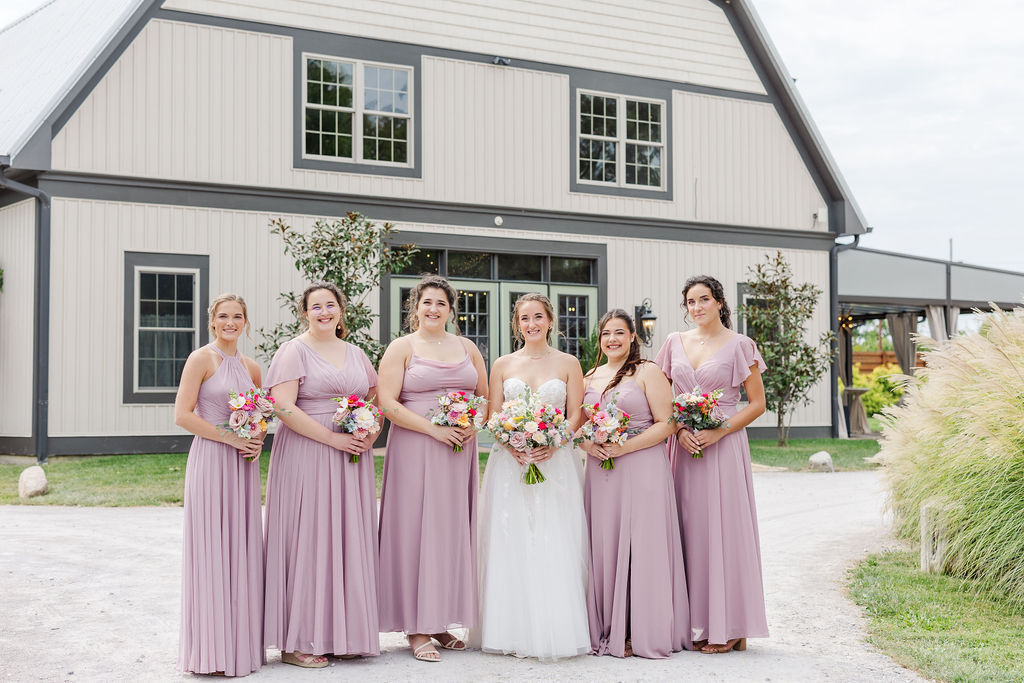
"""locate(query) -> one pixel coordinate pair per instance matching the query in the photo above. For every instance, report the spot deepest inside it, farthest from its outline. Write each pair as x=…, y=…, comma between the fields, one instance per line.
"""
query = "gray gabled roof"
x=44, y=54
x=47, y=54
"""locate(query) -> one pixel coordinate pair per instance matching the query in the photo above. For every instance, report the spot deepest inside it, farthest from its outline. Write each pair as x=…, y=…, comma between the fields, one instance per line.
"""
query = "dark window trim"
x=133, y=259
x=357, y=50
x=498, y=245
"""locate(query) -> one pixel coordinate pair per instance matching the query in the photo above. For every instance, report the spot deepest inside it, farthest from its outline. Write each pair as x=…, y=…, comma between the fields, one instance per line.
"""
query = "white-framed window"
x=166, y=325
x=621, y=141
x=356, y=111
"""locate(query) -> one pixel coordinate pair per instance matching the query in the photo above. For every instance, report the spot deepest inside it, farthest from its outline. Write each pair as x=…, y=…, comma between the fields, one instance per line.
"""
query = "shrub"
x=885, y=388
x=959, y=438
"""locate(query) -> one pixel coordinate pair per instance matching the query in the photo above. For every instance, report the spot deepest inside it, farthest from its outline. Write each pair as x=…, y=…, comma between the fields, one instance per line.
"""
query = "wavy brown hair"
x=633, y=359
x=416, y=293
x=341, y=332
x=549, y=310
x=717, y=293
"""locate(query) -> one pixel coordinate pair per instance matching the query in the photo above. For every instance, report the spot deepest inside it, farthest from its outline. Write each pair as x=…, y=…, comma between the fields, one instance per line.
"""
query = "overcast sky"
x=921, y=103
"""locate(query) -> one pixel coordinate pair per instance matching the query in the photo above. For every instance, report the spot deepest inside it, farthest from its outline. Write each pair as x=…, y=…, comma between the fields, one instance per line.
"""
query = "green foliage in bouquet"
x=885, y=389
x=958, y=440
x=777, y=319
x=351, y=252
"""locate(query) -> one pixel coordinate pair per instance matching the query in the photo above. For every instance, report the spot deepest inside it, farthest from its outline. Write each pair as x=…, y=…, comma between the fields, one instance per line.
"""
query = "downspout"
x=833, y=281
x=41, y=324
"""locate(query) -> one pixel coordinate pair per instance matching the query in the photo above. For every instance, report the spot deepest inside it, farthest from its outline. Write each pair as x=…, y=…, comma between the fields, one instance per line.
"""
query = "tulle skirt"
x=533, y=559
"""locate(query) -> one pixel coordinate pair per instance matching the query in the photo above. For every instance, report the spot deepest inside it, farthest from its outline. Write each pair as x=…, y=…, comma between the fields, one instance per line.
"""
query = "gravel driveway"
x=92, y=594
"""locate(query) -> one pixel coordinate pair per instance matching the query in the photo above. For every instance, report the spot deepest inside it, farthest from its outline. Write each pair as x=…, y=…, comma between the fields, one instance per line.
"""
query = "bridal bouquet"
x=605, y=425
x=527, y=422
x=251, y=412
x=698, y=410
x=458, y=409
x=356, y=416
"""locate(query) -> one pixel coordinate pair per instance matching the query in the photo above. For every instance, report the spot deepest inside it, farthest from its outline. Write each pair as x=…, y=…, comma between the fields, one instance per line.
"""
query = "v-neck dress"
x=715, y=495
x=222, y=545
x=428, y=512
x=321, y=555
x=637, y=583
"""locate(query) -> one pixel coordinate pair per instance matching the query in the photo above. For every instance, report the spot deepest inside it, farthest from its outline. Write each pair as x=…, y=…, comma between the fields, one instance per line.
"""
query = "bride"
x=532, y=538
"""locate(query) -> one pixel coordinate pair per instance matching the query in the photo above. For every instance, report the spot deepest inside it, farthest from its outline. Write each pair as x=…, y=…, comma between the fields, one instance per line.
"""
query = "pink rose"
x=601, y=436
x=237, y=419
x=264, y=406
x=517, y=440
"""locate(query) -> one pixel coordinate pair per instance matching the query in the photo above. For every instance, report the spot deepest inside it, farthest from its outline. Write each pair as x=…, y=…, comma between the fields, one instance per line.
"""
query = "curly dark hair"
x=416, y=293
x=342, y=331
x=717, y=293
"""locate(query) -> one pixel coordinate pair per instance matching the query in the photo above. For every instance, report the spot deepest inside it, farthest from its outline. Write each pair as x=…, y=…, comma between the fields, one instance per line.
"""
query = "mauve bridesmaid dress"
x=321, y=518
x=222, y=549
x=637, y=584
x=428, y=512
x=715, y=494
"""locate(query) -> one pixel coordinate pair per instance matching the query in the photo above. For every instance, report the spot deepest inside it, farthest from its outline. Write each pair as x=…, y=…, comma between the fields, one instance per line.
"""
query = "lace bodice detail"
x=551, y=391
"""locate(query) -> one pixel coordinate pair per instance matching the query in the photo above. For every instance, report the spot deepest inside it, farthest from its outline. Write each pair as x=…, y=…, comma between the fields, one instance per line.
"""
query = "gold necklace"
x=431, y=341
x=543, y=355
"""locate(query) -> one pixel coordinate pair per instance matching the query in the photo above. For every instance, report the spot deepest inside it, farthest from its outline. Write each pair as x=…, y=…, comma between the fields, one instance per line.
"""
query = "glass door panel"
x=510, y=291
x=478, y=316
x=576, y=307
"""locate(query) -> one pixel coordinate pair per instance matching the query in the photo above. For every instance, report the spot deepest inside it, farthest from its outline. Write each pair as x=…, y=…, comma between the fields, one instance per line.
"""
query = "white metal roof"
x=42, y=56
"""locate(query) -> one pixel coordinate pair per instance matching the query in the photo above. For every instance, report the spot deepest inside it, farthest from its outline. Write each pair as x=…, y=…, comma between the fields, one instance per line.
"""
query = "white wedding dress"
x=533, y=551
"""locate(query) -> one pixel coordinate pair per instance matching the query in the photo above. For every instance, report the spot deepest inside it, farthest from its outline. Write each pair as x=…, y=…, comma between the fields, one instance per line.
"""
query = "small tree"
x=777, y=320
x=352, y=253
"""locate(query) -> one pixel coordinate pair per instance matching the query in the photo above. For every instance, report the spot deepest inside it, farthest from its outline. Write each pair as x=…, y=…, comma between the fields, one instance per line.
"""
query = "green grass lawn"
x=943, y=627
x=846, y=454
x=127, y=480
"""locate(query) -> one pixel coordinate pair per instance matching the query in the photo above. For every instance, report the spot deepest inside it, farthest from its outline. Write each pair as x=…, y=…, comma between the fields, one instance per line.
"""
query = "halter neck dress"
x=222, y=548
x=637, y=585
x=715, y=494
x=428, y=512
x=321, y=593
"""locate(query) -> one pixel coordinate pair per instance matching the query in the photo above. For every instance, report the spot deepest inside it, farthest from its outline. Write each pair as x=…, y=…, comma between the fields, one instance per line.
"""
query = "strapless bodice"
x=551, y=391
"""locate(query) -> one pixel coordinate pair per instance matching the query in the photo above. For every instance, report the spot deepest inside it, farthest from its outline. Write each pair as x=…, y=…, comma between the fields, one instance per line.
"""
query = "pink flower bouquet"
x=609, y=424
x=527, y=422
x=698, y=410
x=356, y=416
x=251, y=413
x=458, y=409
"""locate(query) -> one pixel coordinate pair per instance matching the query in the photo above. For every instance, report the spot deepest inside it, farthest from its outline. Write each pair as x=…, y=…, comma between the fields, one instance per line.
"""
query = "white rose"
x=531, y=427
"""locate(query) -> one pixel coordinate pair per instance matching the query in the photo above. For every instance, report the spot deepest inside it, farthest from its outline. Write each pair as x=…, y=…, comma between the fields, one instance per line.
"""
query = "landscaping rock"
x=821, y=462
x=32, y=482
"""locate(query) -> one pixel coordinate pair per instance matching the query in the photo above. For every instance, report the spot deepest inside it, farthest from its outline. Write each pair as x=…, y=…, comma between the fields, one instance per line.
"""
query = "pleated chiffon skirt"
x=222, y=563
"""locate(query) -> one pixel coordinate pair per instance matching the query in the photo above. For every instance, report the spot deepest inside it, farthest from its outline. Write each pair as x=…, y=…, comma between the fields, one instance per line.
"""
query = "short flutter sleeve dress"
x=428, y=512
x=715, y=494
x=321, y=545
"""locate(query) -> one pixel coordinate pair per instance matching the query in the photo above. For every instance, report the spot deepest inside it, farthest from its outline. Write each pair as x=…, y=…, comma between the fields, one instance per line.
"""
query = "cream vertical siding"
x=90, y=238
x=688, y=41
x=17, y=258
x=89, y=241
x=207, y=104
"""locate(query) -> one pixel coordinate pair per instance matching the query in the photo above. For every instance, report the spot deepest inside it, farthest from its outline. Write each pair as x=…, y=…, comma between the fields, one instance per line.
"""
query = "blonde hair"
x=223, y=299
x=416, y=293
x=341, y=332
x=549, y=310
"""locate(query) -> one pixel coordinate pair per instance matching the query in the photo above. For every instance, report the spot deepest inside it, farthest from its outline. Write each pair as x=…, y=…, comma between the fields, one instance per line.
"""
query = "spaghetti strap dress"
x=637, y=584
x=428, y=512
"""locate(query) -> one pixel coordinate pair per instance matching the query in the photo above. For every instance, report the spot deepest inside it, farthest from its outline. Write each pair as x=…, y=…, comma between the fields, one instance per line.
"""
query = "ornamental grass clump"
x=958, y=440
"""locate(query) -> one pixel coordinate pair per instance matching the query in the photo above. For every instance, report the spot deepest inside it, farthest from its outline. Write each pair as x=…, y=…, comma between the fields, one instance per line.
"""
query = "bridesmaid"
x=428, y=503
x=222, y=552
x=321, y=555
x=716, y=492
x=636, y=594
